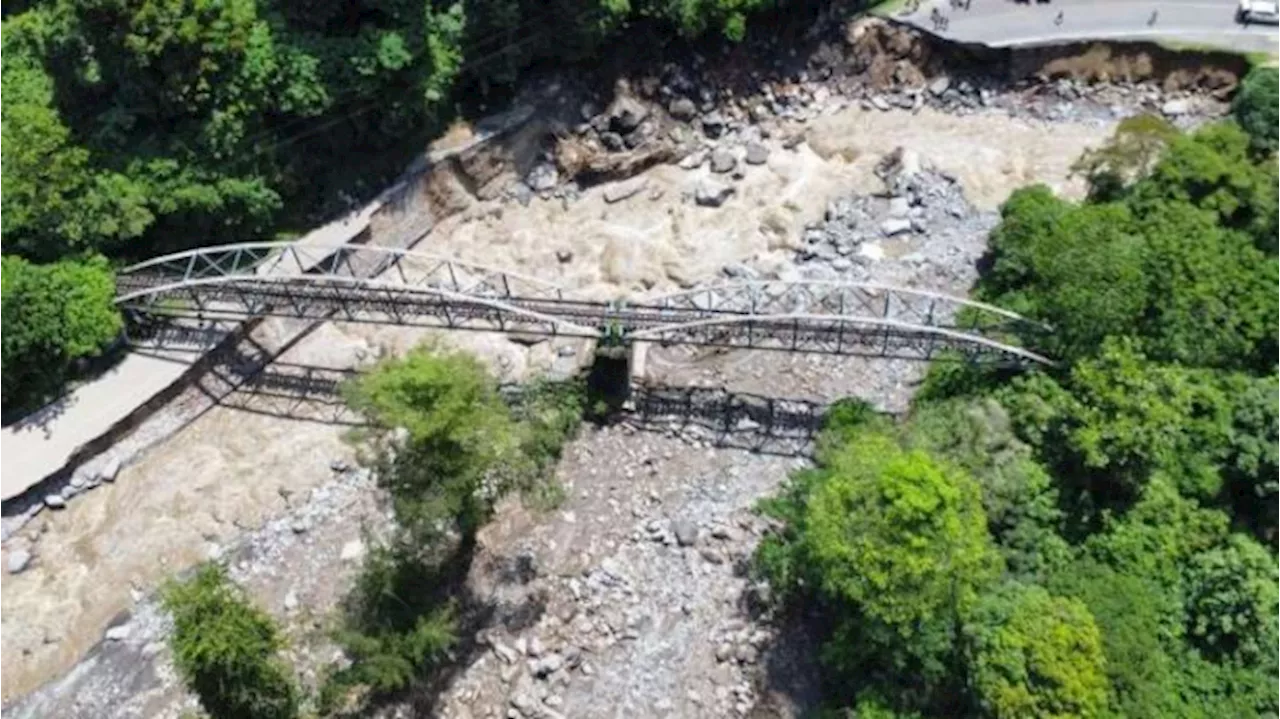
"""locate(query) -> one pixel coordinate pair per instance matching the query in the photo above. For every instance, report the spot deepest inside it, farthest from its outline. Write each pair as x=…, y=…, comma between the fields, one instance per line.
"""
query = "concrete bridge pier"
x=615, y=367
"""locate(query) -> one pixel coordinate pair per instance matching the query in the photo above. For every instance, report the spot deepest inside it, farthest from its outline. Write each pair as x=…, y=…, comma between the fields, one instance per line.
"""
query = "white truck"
x=1263, y=12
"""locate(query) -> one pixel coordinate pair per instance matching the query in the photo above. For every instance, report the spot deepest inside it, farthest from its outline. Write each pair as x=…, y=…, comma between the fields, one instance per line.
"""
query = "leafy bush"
x=53, y=315
x=1036, y=655
x=1232, y=600
x=225, y=649
x=456, y=432
x=398, y=622
x=1255, y=106
x=1119, y=418
x=895, y=544
x=1018, y=496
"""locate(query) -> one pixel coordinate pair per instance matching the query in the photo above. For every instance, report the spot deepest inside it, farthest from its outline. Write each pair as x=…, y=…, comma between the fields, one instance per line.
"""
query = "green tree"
x=1036, y=655
x=898, y=534
x=1253, y=471
x=1018, y=496
x=1213, y=293
x=1119, y=418
x=1136, y=619
x=225, y=649
x=399, y=621
x=1232, y=600
x=1255, y=106
x=1078, y=269
x=55, y=202
x=1213, y=170
x=444, y=430
x=895, y=544
x=53, y=315
x=1130, y=154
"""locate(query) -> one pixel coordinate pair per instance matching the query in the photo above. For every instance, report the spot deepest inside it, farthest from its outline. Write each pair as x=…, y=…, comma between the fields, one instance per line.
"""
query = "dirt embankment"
x=889, y=53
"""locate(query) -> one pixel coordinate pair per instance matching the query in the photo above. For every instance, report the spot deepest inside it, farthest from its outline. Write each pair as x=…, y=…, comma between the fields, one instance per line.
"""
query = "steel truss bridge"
x=357, y=283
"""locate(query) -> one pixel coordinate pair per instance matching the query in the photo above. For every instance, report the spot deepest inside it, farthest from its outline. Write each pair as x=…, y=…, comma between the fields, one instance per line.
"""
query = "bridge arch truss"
x=421, y=289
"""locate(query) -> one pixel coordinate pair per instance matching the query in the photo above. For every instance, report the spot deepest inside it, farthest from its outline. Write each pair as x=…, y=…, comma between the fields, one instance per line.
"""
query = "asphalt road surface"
x=1004, y=23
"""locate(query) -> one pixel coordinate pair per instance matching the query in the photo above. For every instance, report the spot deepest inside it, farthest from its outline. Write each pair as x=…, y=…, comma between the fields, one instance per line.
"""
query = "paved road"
x=1004, y=23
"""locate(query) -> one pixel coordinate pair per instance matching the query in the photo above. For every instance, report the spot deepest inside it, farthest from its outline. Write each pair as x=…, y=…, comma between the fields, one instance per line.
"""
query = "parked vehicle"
x=1262, y=12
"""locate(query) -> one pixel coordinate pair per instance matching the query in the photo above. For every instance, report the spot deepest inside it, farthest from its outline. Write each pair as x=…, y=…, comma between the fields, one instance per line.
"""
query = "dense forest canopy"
x=1108, y=525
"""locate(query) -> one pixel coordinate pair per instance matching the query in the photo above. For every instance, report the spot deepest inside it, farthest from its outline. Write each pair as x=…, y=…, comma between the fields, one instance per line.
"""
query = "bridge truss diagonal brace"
x=829, y=334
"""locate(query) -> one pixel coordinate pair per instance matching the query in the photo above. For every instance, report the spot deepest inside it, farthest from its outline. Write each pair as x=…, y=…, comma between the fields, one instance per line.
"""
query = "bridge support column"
x=639, y=357
x=609, y=381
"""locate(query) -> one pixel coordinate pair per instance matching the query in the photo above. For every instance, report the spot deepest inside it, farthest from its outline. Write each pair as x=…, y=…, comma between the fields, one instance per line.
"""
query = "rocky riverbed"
x=632, y=598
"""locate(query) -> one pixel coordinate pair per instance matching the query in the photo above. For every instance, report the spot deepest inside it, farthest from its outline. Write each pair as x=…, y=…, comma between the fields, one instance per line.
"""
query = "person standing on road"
x=1154, y=15
x=1057, y=20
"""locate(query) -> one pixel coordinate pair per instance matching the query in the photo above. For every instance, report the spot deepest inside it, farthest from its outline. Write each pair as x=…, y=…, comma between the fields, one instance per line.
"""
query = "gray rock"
x=899, y=207
x=1174, y=108
x=504, y=652
x=290, y=601
x=723, y=161
x=712, y=556
x=612, y=141
x=19, y=560
x=563, y=256
x=525, y=703
x=535, y=648
x=548, y=664
x=686, y=532
x=737, y=270
x=620, y=191
x=712, y=194
x=757, y=154
x=682, y=108
x=299, y=526
x=55, y=501
x=713, y=124
x=724, y=652
x=879, y=103
x=119, y=633
x=694, y=160
x=352, y=551
x=109, y=470
x=542, y=177
x=747, y=654
x=893, y=227
x=626, y=113
x=939, y=85
x=725, y=533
